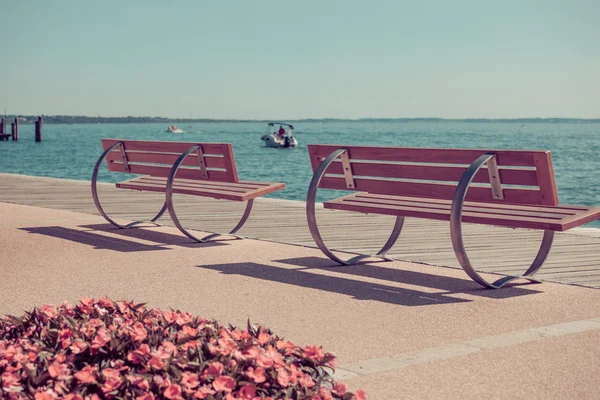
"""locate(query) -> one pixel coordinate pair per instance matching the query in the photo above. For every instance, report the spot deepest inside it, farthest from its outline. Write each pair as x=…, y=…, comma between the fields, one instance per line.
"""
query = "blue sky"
x=302, y=59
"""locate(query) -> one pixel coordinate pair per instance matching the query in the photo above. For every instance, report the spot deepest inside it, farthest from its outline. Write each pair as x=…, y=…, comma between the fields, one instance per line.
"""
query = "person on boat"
x=281, y=131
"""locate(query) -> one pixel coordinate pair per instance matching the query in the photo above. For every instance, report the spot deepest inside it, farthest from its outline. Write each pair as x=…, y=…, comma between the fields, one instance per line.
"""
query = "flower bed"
x=101, y=349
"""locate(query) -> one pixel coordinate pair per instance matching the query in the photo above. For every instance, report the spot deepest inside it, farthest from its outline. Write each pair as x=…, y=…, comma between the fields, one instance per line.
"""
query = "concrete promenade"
x=401, y=330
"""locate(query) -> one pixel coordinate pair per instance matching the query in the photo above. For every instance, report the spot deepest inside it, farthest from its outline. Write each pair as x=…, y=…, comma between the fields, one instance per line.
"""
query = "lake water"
x=70, y=151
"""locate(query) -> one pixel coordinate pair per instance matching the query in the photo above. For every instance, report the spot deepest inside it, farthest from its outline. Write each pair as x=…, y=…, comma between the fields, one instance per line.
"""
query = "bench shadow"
x=449, y=285
x=359, y=290
x=151, y=235
x=90, y=236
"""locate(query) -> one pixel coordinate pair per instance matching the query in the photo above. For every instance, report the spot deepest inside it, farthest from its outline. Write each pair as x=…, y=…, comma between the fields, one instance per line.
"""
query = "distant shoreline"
x=68, y=119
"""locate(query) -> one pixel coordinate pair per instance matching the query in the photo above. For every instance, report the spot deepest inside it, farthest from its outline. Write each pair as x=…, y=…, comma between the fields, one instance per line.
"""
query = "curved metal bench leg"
x=314, y=227
x=457, y=237
x=170, y=206
x=97, y=200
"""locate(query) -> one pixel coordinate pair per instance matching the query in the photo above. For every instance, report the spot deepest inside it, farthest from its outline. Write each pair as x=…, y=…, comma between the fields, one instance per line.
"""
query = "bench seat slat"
x=243, y=187
x=481, y=213
x=560, y=209
x=230, y=192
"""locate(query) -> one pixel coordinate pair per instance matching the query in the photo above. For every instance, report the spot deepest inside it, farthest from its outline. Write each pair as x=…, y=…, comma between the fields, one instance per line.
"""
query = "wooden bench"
x=197, y=169
x=511, y=188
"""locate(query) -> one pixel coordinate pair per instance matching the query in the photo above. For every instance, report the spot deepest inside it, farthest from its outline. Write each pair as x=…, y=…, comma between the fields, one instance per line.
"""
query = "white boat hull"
x=276, y=142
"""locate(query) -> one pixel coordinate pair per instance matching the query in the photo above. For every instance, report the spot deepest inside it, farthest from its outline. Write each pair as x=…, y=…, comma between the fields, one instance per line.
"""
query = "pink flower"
x=189, y=331
x=189, y=380
x=203, y=392
x=325, y=394
x=214, y=369
x=184, y=318
x=275, y=356
x=87, y=302
x=264, y=361
x=106, y=302
x=306, y=381
x=339, y=389
x=247, y=392
x=156, y=363
x=49, y=310
x=78, y=346
x=86, y=375
x=360, y=395
x=289, y=347
x=283, y=378
x=102, y=337
x=173, y=392
x=10, y=380
x=313, y=352
x=257, y=375
x=138, y=332
x=139, y=381
x=60, y=371
x=264, y=338
x=226, y=346
x=170, y=316
x=111, y=384
x=240, y=335
x=224, y=384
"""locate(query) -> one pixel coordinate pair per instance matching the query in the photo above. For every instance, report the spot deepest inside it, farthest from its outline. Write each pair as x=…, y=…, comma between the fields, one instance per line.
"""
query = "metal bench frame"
x=168, y=204
x=455, y=226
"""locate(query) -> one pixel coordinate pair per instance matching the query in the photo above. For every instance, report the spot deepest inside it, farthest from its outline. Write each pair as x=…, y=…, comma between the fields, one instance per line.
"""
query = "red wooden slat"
x=186, y=173
x=470, y=217
x=473, y=207
x=563, y=209
x=189, y=183
x=233, y=192
x=167, y=147
x=241, y=185
x=433, y=172
x=168, y=159
x=205, y=192
x=432, y=190
x=418, y=154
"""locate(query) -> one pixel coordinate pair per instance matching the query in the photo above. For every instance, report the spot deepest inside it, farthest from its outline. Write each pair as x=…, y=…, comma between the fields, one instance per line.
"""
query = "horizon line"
x=306, y=118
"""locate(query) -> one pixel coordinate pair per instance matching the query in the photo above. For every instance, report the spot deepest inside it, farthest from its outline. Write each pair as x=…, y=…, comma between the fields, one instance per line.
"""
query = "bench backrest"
x=525, y=177
x=156, y=159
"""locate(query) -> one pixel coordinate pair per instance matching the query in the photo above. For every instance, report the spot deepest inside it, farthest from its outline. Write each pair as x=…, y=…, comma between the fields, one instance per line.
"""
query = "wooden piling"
x=38, y=130
x=2, y=126
x=15, y=132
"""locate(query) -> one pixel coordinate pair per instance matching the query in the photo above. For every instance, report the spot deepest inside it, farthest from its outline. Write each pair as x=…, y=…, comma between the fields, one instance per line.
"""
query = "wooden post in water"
x=12, y=130
x=2, y=125
x=38, y=130
x=15, y=132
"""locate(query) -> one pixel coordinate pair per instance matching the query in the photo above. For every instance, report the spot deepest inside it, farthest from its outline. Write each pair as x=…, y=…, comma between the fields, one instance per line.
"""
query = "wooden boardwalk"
x=574, y=259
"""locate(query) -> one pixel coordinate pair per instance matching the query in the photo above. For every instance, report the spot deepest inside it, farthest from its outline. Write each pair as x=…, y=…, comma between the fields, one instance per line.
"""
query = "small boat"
x=279, y=138
x=174, y=129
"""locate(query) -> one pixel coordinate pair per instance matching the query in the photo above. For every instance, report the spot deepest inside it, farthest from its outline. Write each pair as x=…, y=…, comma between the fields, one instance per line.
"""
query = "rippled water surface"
x=70, y=151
